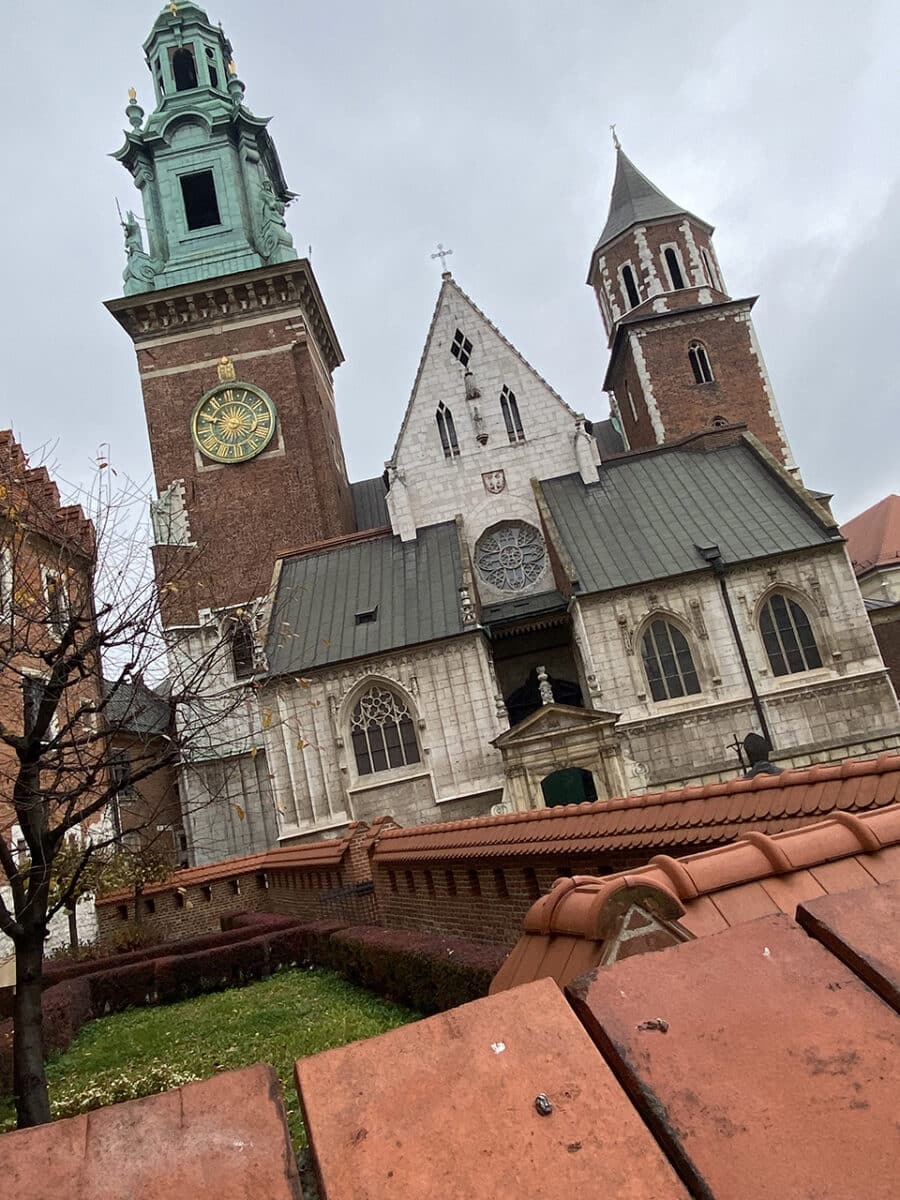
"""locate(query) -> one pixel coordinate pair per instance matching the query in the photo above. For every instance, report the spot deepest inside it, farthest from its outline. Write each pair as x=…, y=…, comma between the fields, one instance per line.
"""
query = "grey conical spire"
x=635, y=200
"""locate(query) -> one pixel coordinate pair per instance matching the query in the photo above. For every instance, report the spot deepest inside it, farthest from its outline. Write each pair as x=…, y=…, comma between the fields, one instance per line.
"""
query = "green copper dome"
x=212, y=187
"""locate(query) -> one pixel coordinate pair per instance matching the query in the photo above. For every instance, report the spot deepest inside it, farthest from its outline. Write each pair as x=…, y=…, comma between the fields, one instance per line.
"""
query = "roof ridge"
x=794, y=777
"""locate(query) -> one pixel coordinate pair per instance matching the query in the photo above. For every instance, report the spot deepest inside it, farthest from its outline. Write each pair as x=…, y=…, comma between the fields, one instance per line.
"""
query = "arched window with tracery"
x=382, y=732
x=700, y=363
x=447, y=431
x=668, y=662
x=788, y=636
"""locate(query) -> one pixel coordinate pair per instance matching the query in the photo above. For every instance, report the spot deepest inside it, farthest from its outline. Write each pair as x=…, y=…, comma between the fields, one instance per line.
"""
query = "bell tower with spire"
x=234, y=344
x=684, y=356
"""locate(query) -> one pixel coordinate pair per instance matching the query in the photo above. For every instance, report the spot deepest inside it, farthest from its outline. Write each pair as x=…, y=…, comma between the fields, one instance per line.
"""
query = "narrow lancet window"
x=447, y=431
x=510, y=408
x=700, y=363
x=674, y=266
x=630, y=284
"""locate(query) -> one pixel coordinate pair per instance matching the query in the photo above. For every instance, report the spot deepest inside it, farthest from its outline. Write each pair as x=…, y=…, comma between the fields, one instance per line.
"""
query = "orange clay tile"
x=756, y=875
x=761, y=1063
x=224, y=1139
x=445, y=1107
x=862, y=930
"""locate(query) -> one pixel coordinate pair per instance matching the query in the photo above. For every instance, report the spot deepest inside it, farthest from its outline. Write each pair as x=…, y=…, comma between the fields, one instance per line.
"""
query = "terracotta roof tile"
x=733, y=884
x=873, y=538
x=776, y=1075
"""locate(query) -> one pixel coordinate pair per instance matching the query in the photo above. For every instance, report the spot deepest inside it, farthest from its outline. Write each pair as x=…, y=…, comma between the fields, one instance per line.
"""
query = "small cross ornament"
x=442, y=254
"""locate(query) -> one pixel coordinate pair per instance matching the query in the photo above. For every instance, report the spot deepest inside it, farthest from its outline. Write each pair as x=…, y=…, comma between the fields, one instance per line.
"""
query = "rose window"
x=510, y=557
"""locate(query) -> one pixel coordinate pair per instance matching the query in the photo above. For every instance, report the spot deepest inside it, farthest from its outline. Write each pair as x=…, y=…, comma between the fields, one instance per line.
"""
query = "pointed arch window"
x=673, y=266
x=788, y=636
x=447, y=431
x=184, y=69
x=509, y=406
x=629, y=283
x=668, y=662
x=382, y=732
x=700, y=363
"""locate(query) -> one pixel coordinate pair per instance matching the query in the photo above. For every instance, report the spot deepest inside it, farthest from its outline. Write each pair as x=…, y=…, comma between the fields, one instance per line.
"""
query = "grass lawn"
x=146, y=1050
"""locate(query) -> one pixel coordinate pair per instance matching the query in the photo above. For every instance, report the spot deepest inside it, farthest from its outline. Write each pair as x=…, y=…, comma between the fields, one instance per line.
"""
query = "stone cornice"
x=206, y=303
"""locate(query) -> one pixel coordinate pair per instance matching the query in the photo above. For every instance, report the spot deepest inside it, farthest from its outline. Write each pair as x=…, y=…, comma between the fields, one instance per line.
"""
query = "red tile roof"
x=873, y=538
x=566, y=931
x=327, y=853
x=689, y=816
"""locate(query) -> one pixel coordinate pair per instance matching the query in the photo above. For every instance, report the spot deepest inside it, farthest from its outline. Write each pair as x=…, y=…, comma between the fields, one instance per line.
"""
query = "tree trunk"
x=72, y=914
x=29, y=1076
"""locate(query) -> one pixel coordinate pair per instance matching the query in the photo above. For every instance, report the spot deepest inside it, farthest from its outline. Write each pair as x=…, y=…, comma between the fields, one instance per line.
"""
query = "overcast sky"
x=483, y=124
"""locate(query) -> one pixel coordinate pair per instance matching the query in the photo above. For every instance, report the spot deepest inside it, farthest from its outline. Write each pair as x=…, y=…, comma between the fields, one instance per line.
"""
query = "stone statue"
x=273, y=234
x=758, y=750
x=140, y=269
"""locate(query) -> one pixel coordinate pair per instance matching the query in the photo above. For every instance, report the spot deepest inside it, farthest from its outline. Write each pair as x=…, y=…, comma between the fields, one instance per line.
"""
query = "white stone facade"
x=451, y=693
x=489, y=481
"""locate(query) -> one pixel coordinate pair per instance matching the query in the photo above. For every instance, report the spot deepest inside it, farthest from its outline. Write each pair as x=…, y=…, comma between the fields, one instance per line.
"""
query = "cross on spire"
x=442, y=254
x=615, y=137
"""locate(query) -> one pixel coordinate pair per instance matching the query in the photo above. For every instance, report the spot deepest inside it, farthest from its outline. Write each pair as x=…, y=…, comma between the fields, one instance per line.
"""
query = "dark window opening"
x=631, y=290
x=447, y=431
x=235, y=887
x=207, y=891
x=700, y=363
x=510, y=408
x=392, y=880
x=367, y=616
x=532, y=887
x=674, y=269
x=451, y=882
x=150, y=906
x=474, y=883
x=668, y=662
x=200, y=204
x=122, y=910
x=711, y=276
x=211, y=67
x=410, y=883
x=788, y=637
x=184, y=69
x=243, y=650
x=500, y=883
x=179, y=899
x=429, y=882
x=262, y=881
x=461, y=347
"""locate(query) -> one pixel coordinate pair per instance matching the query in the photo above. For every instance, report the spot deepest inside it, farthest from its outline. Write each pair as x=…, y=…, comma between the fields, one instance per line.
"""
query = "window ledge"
x=377, y=779
x=294, y=831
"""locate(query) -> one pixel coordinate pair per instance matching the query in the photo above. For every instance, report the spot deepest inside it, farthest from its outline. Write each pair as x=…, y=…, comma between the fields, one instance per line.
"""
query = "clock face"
x=233, y=422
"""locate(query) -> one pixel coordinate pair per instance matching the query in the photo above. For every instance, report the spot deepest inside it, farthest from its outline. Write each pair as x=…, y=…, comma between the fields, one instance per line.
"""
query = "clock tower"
x=234, y=344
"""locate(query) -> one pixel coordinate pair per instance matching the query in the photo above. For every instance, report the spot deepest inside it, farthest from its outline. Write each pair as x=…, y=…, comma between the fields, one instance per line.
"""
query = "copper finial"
x=132, y=95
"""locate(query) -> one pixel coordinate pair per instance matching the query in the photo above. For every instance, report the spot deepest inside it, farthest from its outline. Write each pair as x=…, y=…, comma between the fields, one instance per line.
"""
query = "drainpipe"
x=713, y=556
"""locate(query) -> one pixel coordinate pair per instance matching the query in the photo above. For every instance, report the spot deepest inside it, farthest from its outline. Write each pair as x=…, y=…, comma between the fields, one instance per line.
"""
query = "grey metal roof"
x=413, y=586
x=523, y=606
x=634, y=200
x=370, y=504
x=646, y=515
x=135, y=708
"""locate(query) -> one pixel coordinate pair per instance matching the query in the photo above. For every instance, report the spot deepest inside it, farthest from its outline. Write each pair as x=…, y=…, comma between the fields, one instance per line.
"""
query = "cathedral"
x=530, y=606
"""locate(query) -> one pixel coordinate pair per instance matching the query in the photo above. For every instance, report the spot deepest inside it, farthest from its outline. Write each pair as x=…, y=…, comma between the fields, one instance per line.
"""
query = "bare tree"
x=80, y=622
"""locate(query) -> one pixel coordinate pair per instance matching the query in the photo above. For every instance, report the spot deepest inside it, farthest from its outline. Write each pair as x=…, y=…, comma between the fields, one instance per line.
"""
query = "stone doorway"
x=570, y=785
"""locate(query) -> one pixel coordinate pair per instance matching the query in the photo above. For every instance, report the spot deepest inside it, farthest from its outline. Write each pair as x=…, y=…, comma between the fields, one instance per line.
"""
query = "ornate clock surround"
x=233, y=422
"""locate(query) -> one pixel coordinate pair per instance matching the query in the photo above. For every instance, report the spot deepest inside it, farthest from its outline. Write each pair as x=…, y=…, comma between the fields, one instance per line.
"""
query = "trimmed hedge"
x=56, y=974
x=423, y=971
x=427, y=973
